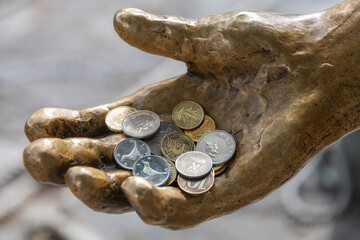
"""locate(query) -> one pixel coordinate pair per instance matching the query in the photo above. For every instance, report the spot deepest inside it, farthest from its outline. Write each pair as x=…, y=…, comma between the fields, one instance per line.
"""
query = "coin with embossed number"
x=218, y=144
x=128, y=151
x=173, y=172
x=196, y=186
x=154, y=141
x=188, y=115
x=174, y=144
x=193, y=164
x=207, y=125
x=115, y=117
x=141, y=124
x=153, y=168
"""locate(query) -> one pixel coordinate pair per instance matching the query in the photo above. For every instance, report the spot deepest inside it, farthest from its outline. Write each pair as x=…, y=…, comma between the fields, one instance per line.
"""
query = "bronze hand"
x=285, y=86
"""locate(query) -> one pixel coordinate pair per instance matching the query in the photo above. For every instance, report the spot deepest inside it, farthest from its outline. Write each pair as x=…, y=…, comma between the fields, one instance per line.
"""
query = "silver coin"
x=193, y=164
x=154, y=141
x=141, y=124
x=218, y=144
x=128, y=151
x=153, y=168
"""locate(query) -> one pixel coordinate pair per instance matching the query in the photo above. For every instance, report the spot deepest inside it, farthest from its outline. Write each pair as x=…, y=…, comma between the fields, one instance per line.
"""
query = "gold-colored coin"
x=174, y=144
x=219, y=168
x=188, y=115
x=115, y=117
x=197, y=186
x=173, y=174
x=206, y=126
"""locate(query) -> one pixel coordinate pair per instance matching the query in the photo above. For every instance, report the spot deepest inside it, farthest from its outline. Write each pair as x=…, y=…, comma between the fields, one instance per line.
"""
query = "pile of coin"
x=154, y=146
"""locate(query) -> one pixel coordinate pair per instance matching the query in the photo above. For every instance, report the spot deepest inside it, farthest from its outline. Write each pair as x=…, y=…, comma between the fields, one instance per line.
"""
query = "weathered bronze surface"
x=286, y=86
x=100, y=191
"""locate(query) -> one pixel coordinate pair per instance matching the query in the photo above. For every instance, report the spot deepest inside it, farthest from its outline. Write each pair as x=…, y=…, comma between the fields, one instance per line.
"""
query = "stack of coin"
x=196, y=175
x=163, y=143
x=115, y=117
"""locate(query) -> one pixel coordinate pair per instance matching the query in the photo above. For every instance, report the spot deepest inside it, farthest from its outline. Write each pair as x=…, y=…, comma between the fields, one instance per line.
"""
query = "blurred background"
x=66, y=54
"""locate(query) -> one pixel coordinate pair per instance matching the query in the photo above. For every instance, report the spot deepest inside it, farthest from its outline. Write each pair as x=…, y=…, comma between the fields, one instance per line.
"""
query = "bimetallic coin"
x=153, y=168
x=207, y=125
x=219, y=168
x=196, y=186
x=173, y=175
x=218, y=144
x=115, y=117
x=174, y=144
x=141, y=124
x=193, y=164
x=128, y=151
x=154, y=141
x=188, y=115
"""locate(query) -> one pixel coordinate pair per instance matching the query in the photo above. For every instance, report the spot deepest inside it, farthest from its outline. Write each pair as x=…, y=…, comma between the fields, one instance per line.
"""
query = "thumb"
x=162, y=35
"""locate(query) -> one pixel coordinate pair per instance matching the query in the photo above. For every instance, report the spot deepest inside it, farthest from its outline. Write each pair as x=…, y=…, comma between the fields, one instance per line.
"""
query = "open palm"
x=277, y=83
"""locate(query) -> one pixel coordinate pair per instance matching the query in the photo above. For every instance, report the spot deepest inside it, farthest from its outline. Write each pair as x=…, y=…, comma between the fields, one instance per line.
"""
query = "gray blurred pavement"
x=66, y=54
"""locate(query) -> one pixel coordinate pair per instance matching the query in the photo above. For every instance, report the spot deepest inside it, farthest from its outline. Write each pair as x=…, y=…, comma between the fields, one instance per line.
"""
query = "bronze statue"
x=285, y=86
